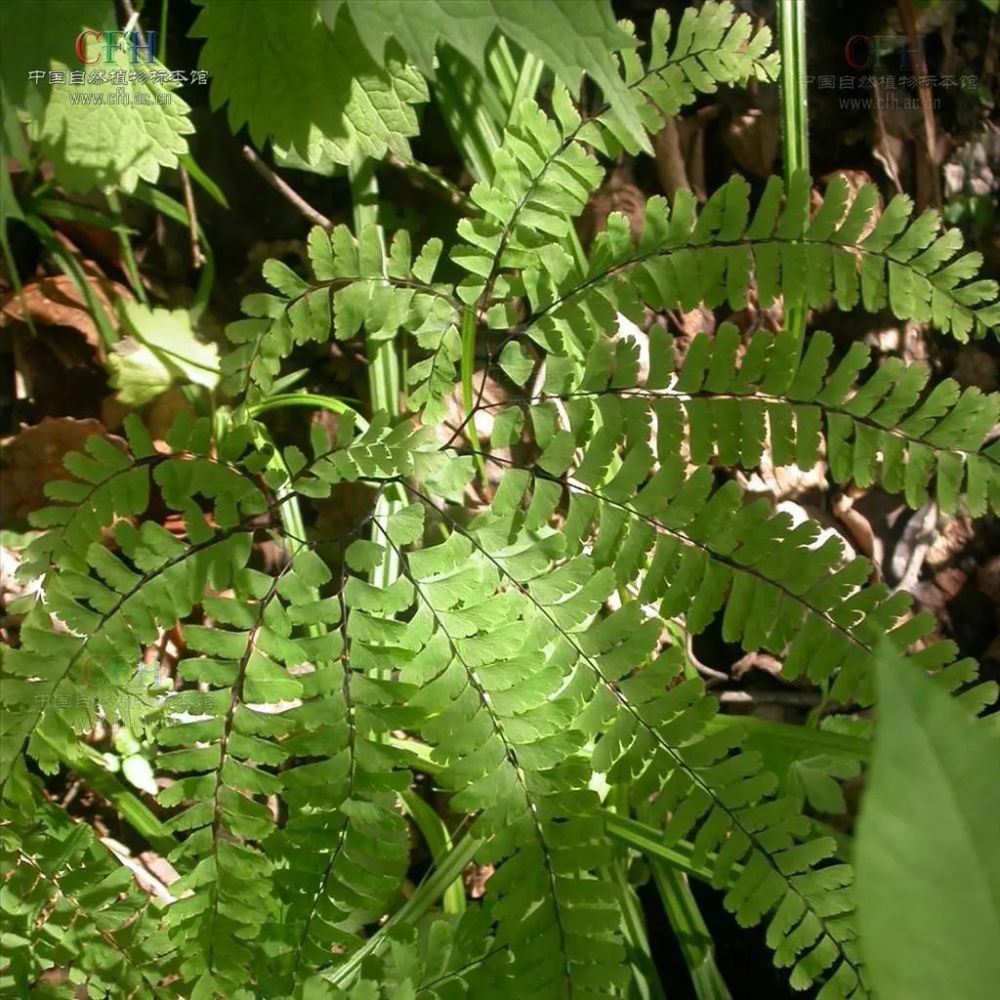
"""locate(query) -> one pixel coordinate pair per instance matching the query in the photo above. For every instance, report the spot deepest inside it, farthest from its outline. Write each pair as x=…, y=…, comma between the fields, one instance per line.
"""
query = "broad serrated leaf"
x=928, y=868
x=572, y=37
x=322, y=94
x=112, y=135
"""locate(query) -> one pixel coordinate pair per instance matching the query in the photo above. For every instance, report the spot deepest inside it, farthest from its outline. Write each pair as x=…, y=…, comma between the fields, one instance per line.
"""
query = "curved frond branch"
x=705, y=552
x=761, y=830
x=841, y=256
x=340, y=830
x=537, y=165
x=52, y=656
x=890, y=427
x=342, y=781
x=532, y=808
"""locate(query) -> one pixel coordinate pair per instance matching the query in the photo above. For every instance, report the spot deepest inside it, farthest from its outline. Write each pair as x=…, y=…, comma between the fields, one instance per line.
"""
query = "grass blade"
x=438, y=839
x=693, y=936
x=794, y=116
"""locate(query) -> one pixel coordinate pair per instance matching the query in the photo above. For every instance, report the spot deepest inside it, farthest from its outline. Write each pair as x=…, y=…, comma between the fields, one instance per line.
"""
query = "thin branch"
x=285, y=190
x=918, y=56
x=132, y=20
x=436, y=182
x=197, y=257
x=805, y=699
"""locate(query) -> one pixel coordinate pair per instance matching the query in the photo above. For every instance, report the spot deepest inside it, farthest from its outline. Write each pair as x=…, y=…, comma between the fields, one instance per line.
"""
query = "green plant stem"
x=689, y=927
x=203, y=180
x=794, y=98
x=383, y=364
x=801, y=737
x=621, y=827
x=289, y=510
x=420, y=751
x=579, y=254
x=452, y=192
x=649, y=840
x=424, y=897
x=15, y=279
x=794, y=117
x=161, y=51
x=458, y=95
x=646, y=982
x=125, y=246
x=70, y=266
x=527, y=83
x=438, y=838
x=174, y=210
x=645, y=978
x=313, y=400
x=53, y=208
x=503, y=69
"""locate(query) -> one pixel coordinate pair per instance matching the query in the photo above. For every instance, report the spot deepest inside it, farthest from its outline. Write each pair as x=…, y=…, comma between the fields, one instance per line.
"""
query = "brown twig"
x=436, y=182
x=710, y=673
x=919, y=58
x=925, y=538
x=883, y=153
x=197, y=257
x=146, y=880
x=132, y=19
x=802, y=699
x=862, y=534
x=284, y=190
x=756, y=661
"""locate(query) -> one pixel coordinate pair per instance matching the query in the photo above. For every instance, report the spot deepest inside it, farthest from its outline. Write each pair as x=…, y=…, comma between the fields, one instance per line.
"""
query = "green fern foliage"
x=722, y=254
x=720, y=406
x=521, y=668
x=73, y=913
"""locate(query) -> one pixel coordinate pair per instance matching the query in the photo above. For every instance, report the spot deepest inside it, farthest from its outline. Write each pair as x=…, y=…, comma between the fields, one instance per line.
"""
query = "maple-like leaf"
x=324, y=95
x=572, y=37
x=33, y=33
x=110, y=134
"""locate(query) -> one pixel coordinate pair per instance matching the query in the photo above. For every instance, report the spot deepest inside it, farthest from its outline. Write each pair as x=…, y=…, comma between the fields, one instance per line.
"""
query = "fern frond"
x=543, y=176
x=68, y=905
x=653, y=731
x=545, y=172
x=718, y=404
x=498, y=696
x=355, y=285
x=527, y=641
x=699, y=551
x=685, y=257
x=217, y=743
x=342, y=853
x=83, y=638
x=713, y=46
x=107, y=483
x=437, y=959
x=758, y=847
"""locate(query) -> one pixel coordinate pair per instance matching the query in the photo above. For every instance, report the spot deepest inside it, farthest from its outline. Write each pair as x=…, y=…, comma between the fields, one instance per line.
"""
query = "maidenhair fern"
x=519, y=656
